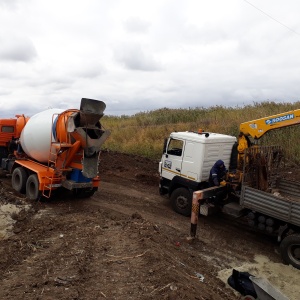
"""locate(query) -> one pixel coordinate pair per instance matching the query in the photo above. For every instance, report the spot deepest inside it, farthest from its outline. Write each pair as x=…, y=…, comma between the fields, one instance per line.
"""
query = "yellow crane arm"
x=257, y=128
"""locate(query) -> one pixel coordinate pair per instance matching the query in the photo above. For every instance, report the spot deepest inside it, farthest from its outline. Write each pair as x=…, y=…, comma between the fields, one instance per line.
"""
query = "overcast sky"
x=139, y=55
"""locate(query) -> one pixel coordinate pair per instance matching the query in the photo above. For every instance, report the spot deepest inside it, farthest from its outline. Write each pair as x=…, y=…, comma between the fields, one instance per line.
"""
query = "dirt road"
x=125, y=242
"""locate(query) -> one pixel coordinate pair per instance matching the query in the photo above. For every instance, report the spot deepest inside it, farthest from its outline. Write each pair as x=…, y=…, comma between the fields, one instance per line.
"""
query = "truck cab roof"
x=204, y=137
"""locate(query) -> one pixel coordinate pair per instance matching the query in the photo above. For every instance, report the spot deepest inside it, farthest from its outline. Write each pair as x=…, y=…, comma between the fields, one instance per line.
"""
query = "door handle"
x=177, y=169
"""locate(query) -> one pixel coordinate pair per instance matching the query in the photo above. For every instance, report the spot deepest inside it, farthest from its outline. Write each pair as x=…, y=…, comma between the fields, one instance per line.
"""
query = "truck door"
x=172, y=159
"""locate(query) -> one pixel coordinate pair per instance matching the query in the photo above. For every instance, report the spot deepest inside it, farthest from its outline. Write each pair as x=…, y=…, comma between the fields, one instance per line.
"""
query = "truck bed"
x=284, y=204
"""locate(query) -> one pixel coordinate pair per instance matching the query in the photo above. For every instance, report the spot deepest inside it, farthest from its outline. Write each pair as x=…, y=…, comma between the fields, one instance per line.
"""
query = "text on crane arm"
x=280, y=119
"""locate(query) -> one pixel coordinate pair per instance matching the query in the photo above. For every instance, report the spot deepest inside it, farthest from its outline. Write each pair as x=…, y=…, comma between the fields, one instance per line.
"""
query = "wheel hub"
x=294, y=253
x=182, y=202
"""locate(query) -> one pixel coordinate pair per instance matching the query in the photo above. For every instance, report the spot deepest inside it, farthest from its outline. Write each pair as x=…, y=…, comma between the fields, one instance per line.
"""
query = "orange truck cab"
x=10, y=131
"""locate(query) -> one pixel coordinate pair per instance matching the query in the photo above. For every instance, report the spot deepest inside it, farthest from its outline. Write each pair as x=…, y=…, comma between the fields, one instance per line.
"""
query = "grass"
x=144, y=133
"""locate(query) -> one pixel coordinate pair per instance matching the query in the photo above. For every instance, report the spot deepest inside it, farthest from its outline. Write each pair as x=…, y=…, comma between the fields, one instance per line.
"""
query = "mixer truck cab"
x=7, y=133
x=10, y=130
x=186, y=162
x=57, y=149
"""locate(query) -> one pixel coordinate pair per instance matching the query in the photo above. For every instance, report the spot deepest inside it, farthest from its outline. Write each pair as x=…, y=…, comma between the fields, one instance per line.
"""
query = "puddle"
x=6, y=221
x=283, y=277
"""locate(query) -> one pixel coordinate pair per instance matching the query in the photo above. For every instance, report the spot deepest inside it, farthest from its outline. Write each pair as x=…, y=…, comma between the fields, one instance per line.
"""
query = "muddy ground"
x=125, y=242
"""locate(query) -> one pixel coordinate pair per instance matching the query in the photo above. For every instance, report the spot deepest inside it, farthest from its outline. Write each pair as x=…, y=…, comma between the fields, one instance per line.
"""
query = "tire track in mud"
x=223, y=241
x=107, y=227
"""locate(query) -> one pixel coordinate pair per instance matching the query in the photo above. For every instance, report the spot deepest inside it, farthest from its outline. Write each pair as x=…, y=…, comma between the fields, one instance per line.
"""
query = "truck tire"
x=32, y=187
x=181, y=200
x=290, y=250
x=19, y=179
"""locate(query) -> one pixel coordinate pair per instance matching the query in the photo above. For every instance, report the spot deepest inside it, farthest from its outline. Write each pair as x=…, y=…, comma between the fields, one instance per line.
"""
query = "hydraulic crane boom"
x=257, y=128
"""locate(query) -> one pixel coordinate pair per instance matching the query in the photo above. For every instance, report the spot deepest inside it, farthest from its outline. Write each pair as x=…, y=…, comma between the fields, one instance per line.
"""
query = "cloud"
x=9, y=4
x=136, y=25
x=4, y=92
x=138, y=55
x=135, y=58
x=87, y=70
x=17, y=48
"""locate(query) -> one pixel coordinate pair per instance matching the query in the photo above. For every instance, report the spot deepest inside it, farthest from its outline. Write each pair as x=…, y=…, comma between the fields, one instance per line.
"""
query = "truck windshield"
x=9, y=129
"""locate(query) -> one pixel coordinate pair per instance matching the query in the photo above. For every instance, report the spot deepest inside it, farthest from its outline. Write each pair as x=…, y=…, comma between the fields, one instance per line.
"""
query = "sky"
x=138, y=55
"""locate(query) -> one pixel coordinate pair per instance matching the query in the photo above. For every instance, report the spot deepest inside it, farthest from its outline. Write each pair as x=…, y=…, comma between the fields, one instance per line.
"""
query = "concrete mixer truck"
x=54, y=149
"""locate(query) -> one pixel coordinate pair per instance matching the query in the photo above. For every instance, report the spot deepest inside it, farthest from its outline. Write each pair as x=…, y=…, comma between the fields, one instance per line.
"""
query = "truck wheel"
x=84, y=193
x=181, y=200
x=32, y=188
x=18, y=179
x=290, y=250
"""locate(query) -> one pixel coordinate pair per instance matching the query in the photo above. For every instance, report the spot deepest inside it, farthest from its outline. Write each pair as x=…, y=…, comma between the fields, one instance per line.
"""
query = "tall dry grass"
x=143, y=133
